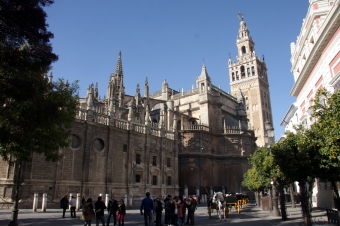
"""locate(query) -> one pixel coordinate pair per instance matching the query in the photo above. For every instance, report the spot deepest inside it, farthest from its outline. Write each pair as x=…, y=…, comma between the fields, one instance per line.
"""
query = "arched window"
x=243, y=73
x=243, y=49
x=248, y=71
x=253, y=70
x=233, y=76
x=202, y=87
x=237, y=78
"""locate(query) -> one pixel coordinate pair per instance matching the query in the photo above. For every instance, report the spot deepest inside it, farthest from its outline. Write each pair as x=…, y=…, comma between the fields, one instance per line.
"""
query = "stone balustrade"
x=153, y=128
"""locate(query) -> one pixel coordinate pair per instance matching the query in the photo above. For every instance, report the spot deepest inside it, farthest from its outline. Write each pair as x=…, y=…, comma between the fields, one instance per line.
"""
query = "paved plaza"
x=250, y=215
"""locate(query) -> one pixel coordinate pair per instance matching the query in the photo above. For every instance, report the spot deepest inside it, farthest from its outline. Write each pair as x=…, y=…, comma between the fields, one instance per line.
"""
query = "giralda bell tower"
x=248, y=76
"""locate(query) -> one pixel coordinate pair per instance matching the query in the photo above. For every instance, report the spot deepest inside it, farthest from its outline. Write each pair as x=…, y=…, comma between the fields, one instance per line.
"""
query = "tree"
x=326, y=114
x=252, y=182
x=297, y=159
x=36, y=114
x=257, y=178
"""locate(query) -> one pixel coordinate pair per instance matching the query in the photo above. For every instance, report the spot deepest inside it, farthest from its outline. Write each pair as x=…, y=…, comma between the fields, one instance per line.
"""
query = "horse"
x=220, y=201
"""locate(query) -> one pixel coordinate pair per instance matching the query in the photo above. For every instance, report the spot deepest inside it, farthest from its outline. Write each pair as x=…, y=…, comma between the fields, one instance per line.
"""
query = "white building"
x=315, y=58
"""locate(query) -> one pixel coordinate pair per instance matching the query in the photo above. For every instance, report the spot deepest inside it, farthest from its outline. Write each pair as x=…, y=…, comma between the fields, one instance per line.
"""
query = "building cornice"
x=289, y=115
x=331, y=25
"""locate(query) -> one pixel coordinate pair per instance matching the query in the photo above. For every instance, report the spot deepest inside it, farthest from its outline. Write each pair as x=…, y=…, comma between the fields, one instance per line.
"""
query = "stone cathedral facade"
x=167, y=142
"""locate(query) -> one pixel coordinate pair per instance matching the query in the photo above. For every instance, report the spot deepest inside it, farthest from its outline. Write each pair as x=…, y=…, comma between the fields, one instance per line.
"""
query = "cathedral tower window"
x=237, y=78
x=154, y=180
x=233, y=76
x=252, y=70
x=169, y=180
x=138, y=159
x=243, y=73
x=243, y=50
x=202, y=88
x=248, y=71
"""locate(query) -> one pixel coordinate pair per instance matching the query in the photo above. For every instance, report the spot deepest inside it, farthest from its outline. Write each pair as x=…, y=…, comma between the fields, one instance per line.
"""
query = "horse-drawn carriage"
x=222, y=203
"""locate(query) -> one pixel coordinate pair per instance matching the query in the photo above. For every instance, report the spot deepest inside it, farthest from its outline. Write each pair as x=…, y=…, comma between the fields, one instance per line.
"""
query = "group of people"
x=90, y=211
x=175, y=210
x=179, y=210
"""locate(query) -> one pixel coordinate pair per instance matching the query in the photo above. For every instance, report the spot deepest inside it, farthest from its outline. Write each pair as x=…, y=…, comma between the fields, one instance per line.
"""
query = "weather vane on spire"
x=240, y=15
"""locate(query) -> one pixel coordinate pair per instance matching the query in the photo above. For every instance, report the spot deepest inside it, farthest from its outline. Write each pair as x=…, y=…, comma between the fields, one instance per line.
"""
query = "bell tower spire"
x=245, y=43
x=248, y=75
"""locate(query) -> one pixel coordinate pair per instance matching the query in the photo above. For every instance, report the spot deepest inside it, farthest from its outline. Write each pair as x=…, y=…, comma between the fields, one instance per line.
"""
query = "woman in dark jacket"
x=121, y=212
x=88, y=213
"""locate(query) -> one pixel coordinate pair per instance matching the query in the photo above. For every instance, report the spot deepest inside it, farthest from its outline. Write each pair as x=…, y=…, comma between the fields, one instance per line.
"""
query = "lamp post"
x=269, y=136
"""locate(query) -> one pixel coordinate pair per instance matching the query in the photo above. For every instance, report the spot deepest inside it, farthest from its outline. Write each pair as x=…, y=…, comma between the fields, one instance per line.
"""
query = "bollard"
x=186, y=190
x=78, y=205
x=130, y=201
x=44, y=202
x=106, y=200
x=69, y=206
x=35, y=202
x=125, y=199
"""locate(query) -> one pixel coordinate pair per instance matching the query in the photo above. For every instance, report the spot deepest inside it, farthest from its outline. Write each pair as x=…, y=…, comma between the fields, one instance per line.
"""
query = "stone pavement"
x=250, y=215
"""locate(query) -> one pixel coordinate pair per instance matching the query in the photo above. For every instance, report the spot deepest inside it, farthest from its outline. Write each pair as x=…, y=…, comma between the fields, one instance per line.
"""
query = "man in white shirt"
x=73, y=203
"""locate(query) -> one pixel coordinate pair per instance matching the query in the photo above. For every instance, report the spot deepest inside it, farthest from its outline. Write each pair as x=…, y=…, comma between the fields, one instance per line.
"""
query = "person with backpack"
x=88, y=213
x=158, y=208
x=99, y=207
x=64, y=204
x=112, y=210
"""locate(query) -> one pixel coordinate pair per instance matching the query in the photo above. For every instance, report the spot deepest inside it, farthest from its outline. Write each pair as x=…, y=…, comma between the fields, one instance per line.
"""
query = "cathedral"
x=166, y=142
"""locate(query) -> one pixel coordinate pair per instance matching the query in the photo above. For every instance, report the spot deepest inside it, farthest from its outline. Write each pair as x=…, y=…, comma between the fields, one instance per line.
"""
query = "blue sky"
x=170, y=39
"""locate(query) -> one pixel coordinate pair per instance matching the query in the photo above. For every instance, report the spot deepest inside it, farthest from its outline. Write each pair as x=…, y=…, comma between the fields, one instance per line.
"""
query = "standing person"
x=158, y=208
x=121, y=212
x=73, y=203
x=184, y=209
x=149, y=209
x=180, y=206
x=112, y=210
x=88, y=213
x=64, y=204
x=166, y=212
x=191, y=210
x=99, y=207
x=175, y=216
x=169, y=210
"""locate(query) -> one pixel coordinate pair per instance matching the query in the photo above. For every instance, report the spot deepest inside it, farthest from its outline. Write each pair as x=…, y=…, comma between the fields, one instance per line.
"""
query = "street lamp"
x=269, y=136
